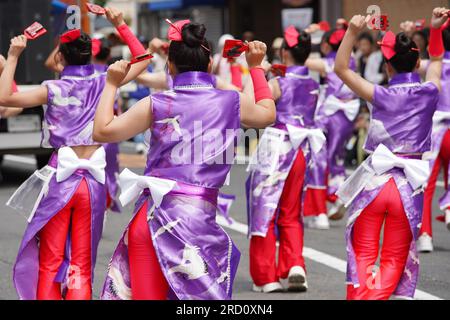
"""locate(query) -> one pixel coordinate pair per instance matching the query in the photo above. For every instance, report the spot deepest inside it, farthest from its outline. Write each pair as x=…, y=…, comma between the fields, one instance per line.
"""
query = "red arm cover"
x=436, y=48
x=236, y=76
x=130, y=39
x=260, y=85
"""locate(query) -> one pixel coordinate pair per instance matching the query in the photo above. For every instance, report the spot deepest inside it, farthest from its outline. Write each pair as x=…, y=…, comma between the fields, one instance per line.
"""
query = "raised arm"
x=317, y=65
x=8, y=98
x=436, y=48
x=51, y=62
x=116, y=18
x=354, y=81
x=257, y=111
x=108, y=128
x=154, y=80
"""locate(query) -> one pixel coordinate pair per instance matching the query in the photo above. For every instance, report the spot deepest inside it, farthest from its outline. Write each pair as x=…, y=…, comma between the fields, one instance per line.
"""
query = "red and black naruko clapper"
x=95, y=9
x=142, y=57
x=234, y=48
x=34, y=31
x=278, y=70
x=380, y=23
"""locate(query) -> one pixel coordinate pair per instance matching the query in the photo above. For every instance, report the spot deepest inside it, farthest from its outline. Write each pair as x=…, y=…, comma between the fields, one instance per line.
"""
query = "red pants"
x=147, y=280
x=76, y=215
x=263, y=267
x=315, y=202
x=387, y=208
x=441, y=161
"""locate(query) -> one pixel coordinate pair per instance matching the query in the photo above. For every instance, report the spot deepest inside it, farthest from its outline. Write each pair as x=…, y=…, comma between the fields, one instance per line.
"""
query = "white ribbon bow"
x=416, y=171
x=315, y=137
x=440, y=116
x=132, y=185
x=333, y=105
x=68, y=163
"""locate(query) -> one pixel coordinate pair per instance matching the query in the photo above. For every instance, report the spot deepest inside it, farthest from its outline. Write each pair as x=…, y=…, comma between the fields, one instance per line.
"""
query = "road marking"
x=20, y=159
x=317, y=256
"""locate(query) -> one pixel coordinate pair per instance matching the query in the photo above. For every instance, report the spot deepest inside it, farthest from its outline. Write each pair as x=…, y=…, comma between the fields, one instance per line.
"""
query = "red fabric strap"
x=236, y=76
x=130, y=39
x=260, y=85
x=436, y=48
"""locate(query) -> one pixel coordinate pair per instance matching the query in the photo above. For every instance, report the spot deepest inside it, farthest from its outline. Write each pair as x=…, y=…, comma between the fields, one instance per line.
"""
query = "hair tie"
x=175, y=31
x=337, y=36
x=70, y=36
x=291, y=36
x=387, y=45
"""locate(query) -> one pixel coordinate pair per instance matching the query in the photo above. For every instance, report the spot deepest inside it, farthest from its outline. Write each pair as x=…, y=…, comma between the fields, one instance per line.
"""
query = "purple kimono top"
x=194, y=131
x=407, y=102
x=335, y=86
x=297, y=104
x=74, y=99
x=444, y=96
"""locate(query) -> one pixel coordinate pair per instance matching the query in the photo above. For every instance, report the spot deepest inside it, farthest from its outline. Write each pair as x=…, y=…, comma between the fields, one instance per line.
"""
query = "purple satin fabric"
x=73, y=98
x=401, y=115
x=26, y=268
x=297, y=99
x=299, y=95
x=209, y=131
x=444, y=95
x=337, y=128
x=198, y=258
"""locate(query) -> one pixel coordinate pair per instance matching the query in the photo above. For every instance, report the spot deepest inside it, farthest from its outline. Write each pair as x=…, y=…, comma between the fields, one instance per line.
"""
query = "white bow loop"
x=416, y=171
x=132, y=185
x=350, y=108
x=315, y=137
x=68, y=163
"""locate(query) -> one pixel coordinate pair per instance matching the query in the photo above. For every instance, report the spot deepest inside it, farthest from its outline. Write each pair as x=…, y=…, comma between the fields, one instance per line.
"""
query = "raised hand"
x=18, y=44
x=358, y=23
x=439, y=17
x=256, y=53
x=114, y=16
x=117, y=72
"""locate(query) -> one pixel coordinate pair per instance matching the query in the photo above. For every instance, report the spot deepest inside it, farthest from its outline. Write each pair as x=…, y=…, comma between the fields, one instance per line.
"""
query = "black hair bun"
x=304, y=37
x=403, y=43
x=193, y=34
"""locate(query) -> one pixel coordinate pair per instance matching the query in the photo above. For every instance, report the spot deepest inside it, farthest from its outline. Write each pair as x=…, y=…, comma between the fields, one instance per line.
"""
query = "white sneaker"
x=269, y=288
x=425, y=243
x=447, y=218
x=322, y=222
x=296, y=281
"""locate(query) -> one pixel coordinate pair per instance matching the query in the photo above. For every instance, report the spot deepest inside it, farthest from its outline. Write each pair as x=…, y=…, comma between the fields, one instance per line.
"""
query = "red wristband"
x=130, y=39
x=236, y=76
x=436, y=47
x=260, y=85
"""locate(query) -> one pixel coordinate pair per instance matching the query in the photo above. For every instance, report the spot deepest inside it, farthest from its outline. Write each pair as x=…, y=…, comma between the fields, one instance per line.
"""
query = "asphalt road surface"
x=324, y=250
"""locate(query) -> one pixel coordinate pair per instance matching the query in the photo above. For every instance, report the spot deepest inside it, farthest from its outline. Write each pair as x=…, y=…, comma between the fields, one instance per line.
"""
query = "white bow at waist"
x=68, y=163
x=440, y=116
x=132, y=185
x=333, y=105
x=315, y=137
x=416, y=171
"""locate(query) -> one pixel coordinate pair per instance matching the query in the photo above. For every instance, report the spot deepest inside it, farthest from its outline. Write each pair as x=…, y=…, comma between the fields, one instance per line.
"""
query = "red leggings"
x=387, y=208
x=147, y=280
x=441, y=161
x=76, y=215
x=263, y=267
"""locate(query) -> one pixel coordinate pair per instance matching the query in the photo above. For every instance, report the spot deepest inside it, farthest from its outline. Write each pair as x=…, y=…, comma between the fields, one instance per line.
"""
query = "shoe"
x=425, y=243
x=322, y=222
x=297, y=280
x=269, y=288
x=336, y=210
x=447, y=218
